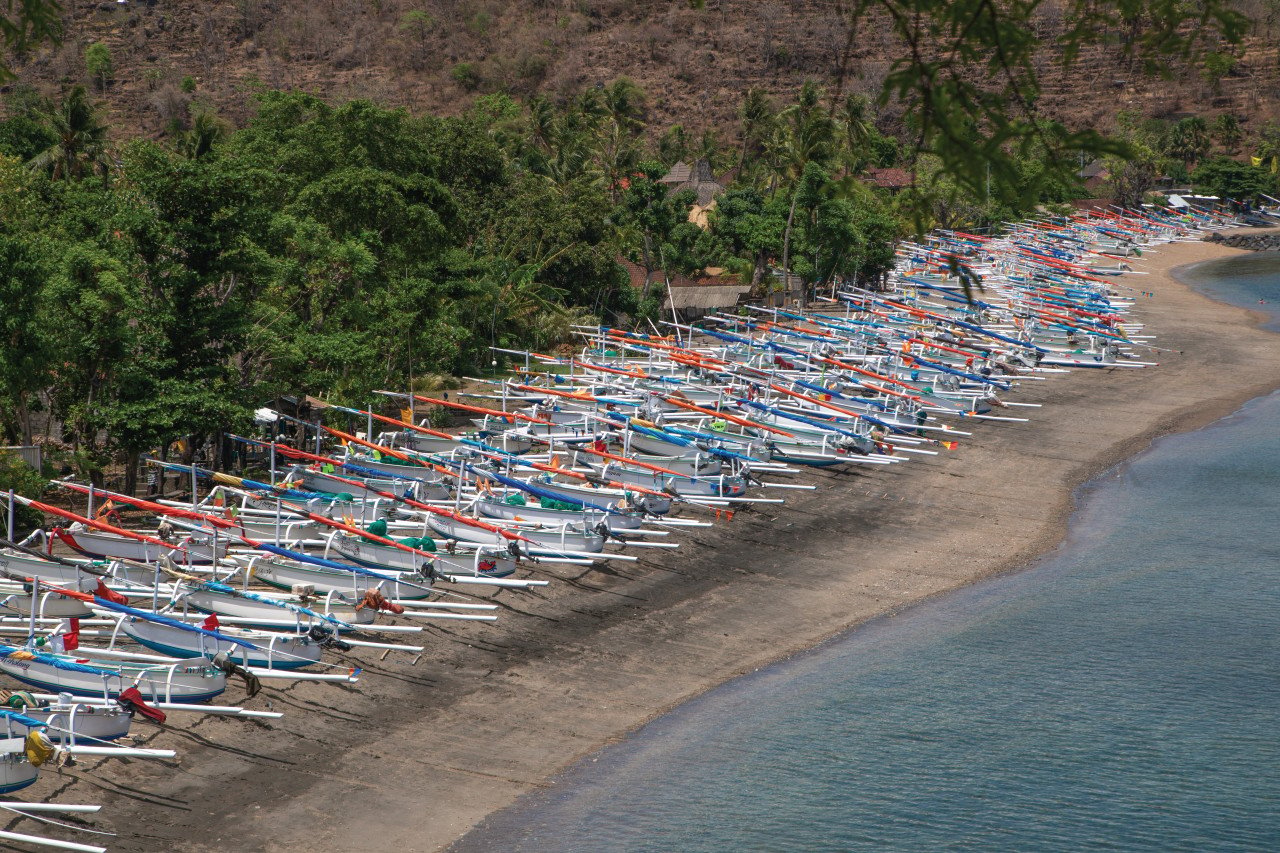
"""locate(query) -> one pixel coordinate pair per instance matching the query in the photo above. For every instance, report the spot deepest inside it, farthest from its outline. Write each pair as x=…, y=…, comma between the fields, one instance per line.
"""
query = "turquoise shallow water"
x=1123, y=694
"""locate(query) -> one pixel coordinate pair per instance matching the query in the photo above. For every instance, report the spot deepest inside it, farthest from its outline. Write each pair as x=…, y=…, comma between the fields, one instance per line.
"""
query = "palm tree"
x=1189, y=140
x=81, y=146
x=620, y=108
x=805, y=134
x=855, y=129
x=207, y=130
x=757, y=114
x=543, y=127
x=623, y=102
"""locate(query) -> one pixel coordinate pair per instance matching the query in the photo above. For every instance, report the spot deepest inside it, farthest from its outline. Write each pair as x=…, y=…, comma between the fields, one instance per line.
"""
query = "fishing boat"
x=249, y=647
x=287, y=575
x=68, y=721
x=332, y=609
x=16, y=772
x=195, y=549
x=560, y=539
x=473, y=562
x=82, y=675
x=502, y=507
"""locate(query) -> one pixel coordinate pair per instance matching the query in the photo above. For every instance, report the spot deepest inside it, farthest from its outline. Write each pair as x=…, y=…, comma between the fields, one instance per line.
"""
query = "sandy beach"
x=415, y=755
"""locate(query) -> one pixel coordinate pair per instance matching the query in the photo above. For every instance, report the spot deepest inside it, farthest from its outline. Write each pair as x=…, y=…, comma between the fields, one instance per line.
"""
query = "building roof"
x=1094, y=169
x=708, y=298
x=892, y=179
x=636, y=273
x=678, y=174
x=702, y=293
x=699, y=178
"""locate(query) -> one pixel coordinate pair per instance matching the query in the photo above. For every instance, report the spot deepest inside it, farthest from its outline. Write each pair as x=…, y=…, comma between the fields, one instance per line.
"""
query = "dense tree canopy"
x=337, y=248
x=158, y=290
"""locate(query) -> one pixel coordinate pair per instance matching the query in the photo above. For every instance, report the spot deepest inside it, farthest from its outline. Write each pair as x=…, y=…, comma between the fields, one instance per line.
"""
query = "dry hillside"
x=695, y=63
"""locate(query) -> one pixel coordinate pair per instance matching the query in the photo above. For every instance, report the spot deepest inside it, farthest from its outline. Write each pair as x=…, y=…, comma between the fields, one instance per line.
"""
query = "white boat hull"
x=276, y=651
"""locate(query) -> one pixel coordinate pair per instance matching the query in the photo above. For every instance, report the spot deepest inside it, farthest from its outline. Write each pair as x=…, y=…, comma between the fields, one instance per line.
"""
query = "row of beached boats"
x=350, y=540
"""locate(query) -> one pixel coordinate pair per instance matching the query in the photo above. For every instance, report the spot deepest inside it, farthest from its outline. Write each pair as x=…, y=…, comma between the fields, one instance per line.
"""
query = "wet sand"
x=414, y=755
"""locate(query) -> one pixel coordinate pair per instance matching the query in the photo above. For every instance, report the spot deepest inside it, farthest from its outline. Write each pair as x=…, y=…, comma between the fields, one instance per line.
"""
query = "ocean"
x=1121, y=694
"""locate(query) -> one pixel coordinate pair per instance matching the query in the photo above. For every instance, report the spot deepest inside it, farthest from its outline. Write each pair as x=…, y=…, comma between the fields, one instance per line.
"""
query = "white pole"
x=35, y=597
x=67, y=808
x=50, y=842
x=12, y=519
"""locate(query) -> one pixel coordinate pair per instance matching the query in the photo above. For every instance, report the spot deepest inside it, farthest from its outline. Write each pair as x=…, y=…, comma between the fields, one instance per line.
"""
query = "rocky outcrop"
x=1257, y=241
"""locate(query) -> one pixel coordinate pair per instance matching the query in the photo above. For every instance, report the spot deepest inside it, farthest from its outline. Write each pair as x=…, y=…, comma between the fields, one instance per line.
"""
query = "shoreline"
x=419, y=755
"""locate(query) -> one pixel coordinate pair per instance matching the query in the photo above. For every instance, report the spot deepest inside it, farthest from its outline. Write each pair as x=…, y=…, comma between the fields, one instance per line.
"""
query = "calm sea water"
x=1124, y=694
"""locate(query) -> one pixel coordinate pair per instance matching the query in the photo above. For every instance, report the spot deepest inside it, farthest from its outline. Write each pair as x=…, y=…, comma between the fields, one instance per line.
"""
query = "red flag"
x=131, y=700
x=71, y=639
x=110, y=595
x=210, y=622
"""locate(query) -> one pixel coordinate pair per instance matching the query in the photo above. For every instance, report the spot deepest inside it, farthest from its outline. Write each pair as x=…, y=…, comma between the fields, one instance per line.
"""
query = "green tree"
x=621, y=113
x=17, y=475
x=88, y=309
x=649, y=214
x=80, y=139
x=1134, y=175
x=804, y=136
x=1188, y=141
x=98, y=62
x=24, y=357
x=1238, y=181
x=1227, y=133
x=757, y=115
x=206, y=131
x=750, y=229
x=857, y=131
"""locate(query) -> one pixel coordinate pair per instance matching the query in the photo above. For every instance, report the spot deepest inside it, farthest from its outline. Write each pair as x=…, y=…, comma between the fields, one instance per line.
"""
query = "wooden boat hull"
x=44, y=570
x=185, y=682
x=425, y=443
x=85, y=722
x=108, y=546
x=16, y=772
x=722, y=486
x=532, y=512
x=277, y=652
x=334, y=605
x=550, y=541
x=376, y=556
x=50, y=605
x=652, y=504
x=318, y=481
x=288, y=575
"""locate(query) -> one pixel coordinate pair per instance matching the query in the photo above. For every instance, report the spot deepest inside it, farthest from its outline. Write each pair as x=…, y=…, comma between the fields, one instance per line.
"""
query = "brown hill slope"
x=437, y=55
